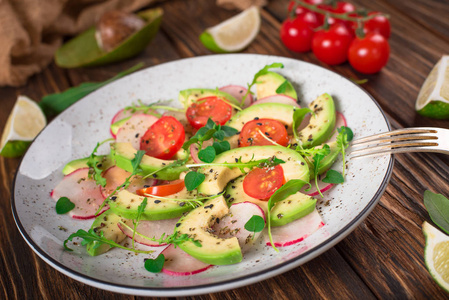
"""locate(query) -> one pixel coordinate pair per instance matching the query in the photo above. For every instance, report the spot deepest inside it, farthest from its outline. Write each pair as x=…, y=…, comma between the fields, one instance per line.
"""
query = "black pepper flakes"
x=157, y=201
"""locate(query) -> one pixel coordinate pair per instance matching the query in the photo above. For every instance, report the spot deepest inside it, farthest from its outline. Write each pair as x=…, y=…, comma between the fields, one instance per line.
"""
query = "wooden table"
x=382, y=258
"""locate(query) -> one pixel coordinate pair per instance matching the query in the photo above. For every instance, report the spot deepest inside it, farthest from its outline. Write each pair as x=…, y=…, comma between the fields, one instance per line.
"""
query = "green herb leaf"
x=221, y=147
x=207, y=154
x=438, y=207
x=317, y=158
x=255, y=224
x=282, y=88
x=345, y=135
x=54, y=104
x=193, y=180
x=64, y=205
x=359, y=81
x=135, y=162
x=155, y=265
x=94, y=170
x=219, y=135
x=229, y=131
x=333, y=176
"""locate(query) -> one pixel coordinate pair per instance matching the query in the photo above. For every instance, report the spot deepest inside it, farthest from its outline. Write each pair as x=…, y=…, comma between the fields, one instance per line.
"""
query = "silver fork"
x=418, y=139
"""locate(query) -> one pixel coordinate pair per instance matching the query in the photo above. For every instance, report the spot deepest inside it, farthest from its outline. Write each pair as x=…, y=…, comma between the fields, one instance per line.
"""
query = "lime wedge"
x=24, y=124
x=433, y=98
x=436, y=255
x=83, y=50
x=234, y=34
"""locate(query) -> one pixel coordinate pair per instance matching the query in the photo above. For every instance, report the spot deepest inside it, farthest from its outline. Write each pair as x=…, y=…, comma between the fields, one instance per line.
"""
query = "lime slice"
x=24, y=123
x=436, y=255
x=433, y=98
x=83, y=50
x=234, y=34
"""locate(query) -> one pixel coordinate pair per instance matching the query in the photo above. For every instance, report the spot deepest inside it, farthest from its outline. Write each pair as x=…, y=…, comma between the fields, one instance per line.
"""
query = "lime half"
x=24, y=124
x=433, y=98
x=234, y=34
x=436, y=254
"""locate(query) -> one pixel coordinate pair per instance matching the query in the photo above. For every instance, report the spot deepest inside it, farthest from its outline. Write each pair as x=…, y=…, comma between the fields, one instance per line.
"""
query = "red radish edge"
x=194, y=150
x=261, y=210
x=316, y=193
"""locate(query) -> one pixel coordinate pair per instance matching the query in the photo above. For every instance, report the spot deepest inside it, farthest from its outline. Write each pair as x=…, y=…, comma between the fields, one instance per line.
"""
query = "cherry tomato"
x=307, y=16
x=331, y=46
x=379, y=24
x=250, y=135
x=261, y=183
x=209, y=107
x=340, y=8
x=296, y=35
x=163, y=189
x=164, y=138
x=369, y=54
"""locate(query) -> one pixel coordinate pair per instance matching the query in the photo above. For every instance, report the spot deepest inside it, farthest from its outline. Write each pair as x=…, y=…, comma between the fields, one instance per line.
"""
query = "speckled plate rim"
x=226, y=284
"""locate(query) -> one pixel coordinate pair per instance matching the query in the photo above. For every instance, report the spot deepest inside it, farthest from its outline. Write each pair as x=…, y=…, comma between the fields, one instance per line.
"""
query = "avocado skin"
x=213, y=250
x=123, y=154
x=268, y=83
x=106, y=222
x=321, y=125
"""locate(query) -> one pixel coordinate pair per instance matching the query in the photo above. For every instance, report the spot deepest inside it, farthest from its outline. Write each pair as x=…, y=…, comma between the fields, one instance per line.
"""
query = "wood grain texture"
x=382, y=258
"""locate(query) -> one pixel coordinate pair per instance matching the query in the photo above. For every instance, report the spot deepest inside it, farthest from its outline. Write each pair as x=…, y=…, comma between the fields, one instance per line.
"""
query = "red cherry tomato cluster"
x=335, y=41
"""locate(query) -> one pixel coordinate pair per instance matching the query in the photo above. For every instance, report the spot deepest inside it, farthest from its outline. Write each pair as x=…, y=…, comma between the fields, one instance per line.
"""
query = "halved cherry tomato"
x=164, y=138
x=261, y=183
x=271, y=129
x=162, y=190
x=209, y=107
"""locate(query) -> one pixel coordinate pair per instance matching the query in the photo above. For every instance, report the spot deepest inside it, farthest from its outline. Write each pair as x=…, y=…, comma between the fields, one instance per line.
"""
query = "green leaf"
x=298, y=116
x=193, y=180
x=255, y=224
x=289, y=188
x=141, y=209
x=210, y=124
x=333, y=176
x=317, y=158
x=282, y=88
x=207, y=154
x=438, y=207
x=54, y=104
x=155, y=265
x=359, y=81
x=229, y=131
x=64, y=205
x=219, y=135
x=94, y=171
x=135, y=162
x=221, y=147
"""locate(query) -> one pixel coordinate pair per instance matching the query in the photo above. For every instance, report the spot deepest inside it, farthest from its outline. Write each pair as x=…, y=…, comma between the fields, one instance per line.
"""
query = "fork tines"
x=397, y=141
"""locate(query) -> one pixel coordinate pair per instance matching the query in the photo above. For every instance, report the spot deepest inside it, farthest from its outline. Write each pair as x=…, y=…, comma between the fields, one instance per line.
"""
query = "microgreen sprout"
x=93, y=163
x=344, y=136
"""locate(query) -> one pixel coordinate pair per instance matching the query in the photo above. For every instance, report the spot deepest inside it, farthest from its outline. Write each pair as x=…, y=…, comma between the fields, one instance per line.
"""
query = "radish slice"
x=121, y=114
x=283, y=99
x=83, y=192
x=238, y=91
x=115, y=176
x=296, y=231
x=340, y=121
x=133, y=130
x=150, y=229
x=194, y=149
x=179, y=263
x=233, y=224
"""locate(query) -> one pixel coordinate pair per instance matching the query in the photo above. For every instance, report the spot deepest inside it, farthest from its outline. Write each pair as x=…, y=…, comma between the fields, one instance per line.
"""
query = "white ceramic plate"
x=75, y=132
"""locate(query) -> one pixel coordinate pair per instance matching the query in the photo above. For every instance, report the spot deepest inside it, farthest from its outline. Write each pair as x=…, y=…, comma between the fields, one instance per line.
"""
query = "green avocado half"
x=197, y=223
x=83, y=50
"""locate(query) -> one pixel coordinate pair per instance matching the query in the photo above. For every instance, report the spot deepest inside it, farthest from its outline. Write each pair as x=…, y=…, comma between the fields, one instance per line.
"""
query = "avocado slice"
x=326, y=162
x=187, y=97
x=123, y=153
x=321, y=124
x=276, y=111
x=217, y=177
x=107, y=223
x=268, y=83
x=83, y=50
x=197, y=223
x=292, y=208
x=126, y=205
x=105, y=163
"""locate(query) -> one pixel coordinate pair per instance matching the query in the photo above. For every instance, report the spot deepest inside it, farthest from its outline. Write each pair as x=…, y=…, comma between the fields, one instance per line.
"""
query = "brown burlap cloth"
x=32, y=30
